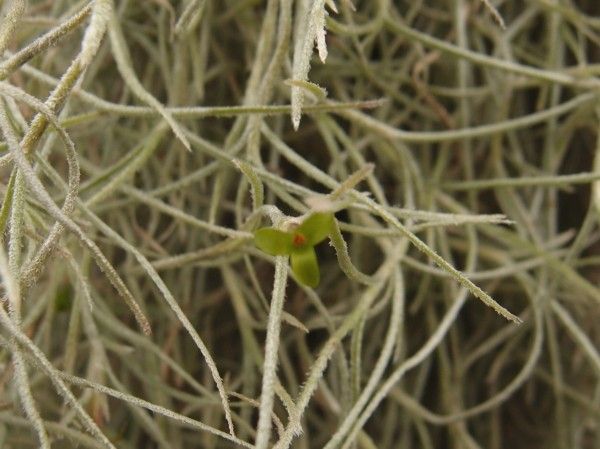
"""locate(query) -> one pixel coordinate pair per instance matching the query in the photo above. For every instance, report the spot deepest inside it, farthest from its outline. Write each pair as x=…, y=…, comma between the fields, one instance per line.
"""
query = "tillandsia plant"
x=437, y=154
x=298, y=243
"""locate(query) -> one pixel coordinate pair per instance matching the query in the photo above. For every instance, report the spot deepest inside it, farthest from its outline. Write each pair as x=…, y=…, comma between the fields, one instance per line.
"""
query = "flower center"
x=299, y=240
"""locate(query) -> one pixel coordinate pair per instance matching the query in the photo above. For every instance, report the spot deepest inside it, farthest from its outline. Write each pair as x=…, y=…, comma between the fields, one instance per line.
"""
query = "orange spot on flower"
x=299, y=240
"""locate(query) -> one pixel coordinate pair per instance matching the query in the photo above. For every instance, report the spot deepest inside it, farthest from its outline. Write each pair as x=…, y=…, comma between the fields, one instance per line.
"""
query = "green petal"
x=273, y=241
x=305, y=266
x=316, y=227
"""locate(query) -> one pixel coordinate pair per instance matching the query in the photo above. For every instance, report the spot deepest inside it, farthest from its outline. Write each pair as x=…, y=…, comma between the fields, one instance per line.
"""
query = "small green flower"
x=298, y=244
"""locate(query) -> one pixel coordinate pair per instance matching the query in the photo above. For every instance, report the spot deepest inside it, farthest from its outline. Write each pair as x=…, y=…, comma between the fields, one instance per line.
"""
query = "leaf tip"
x=296, y=116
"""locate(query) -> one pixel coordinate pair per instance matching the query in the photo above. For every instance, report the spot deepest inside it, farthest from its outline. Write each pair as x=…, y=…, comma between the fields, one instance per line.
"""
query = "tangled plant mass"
x=168, y=170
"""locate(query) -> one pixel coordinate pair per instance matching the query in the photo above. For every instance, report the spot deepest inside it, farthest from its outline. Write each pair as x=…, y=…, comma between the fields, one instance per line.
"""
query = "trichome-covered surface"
x=143, y=144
